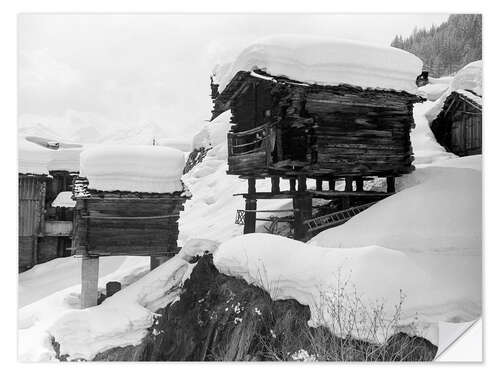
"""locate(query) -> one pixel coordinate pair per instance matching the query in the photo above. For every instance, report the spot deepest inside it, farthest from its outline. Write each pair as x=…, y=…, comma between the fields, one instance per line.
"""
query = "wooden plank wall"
x=104, y=233
x=31, y=209
x=345, y=130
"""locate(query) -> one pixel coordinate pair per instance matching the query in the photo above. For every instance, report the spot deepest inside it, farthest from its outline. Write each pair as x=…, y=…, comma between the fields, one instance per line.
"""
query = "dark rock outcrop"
x=221, y=318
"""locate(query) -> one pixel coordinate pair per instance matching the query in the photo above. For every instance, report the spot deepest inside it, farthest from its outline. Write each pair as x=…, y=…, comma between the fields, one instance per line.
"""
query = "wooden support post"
x=302, y=183
x=346, y=201
x=303, y=211
x=251, y=186
x=359, y=184
x=391, y=184
x=275, y=184
x=90, y=276
x=348, y=184
x=292, y=184
x=319, y=184
x=331, y=184
x=250, y=204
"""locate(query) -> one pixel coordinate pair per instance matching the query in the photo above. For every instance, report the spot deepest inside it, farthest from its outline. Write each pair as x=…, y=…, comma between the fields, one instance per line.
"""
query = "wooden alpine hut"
x=337, y=130
x=45, y=224
x=128, y=202
x=458, y=127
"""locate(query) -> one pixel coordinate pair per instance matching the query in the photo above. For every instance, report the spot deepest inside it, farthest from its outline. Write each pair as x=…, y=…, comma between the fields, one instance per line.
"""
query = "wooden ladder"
x=334, y=219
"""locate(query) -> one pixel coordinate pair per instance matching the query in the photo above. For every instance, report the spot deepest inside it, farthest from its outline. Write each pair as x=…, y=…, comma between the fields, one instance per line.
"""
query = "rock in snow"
x=329, y=61
x=133, y=168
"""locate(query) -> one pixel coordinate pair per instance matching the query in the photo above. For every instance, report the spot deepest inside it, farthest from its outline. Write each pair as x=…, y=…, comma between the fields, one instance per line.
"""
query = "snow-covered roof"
x=181, y=144
x=148, y=169
x=328, y=61
x=470, y=77
x=32, y=158
x=467, y=82
x=64, y=199
x=37, y=157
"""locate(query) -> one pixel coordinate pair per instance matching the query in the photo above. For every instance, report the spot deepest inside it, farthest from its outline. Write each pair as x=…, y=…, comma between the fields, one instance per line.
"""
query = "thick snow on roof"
x=329, y=61
x=63, y=199
x=133, y=168
x=180, y=144
x=433, y=91
x=36, y=159
x=32, y=158
x=470, y=77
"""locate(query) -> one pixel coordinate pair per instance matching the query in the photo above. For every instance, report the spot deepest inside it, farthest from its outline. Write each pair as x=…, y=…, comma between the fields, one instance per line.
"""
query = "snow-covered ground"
x=424, y=241
x=50, y=290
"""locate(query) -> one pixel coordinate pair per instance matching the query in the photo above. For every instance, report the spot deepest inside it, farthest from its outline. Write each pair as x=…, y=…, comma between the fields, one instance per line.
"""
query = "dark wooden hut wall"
x=31, y=211
x=458, y=126
x=317, y=130
x=127, y=225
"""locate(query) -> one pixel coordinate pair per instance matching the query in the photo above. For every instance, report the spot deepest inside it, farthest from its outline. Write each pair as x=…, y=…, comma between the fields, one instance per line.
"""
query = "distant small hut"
x=458, y=127
x=45, y=172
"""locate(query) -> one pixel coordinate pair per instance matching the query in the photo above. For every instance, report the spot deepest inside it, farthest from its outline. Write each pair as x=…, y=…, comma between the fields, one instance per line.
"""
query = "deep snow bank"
x=133, y=168
x=325, y=60
x=436, y=287
x=180, y=144
x=49, y=290
x=122, y=319
x=429, y=215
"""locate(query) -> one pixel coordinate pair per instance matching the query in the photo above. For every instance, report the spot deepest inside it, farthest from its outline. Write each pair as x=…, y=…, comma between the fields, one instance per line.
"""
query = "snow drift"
x=184, y=145
x=133, y=168
x=329, y=61
x=467, y=79
x=435, y=287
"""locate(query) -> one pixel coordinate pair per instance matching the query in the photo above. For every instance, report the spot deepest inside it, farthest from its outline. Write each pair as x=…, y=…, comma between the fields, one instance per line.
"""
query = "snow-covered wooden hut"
x=305, y=107
x=458, y=125
x=45, y=227
x=128, y=202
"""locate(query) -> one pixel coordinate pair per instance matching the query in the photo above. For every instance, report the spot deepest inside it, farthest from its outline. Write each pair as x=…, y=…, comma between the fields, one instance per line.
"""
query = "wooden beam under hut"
x=319, y=184
x=250, y=208
x=275, y=184
x=346, y=201
x=391, y=184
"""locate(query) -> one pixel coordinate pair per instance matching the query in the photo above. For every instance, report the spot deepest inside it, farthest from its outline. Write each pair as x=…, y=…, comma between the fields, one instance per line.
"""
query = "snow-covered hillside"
x=423, y=242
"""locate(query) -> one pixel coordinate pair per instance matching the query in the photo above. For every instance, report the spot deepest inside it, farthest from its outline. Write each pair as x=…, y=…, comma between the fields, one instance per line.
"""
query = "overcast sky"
x=106, y=73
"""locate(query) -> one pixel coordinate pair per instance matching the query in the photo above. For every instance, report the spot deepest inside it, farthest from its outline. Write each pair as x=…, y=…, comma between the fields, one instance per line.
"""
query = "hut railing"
x=251, y=141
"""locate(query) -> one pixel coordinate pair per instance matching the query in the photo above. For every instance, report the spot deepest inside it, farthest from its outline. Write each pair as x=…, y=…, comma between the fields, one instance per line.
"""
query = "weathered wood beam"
x=275, y=184
x=303, y=211
x=391, y=184
x=319, y=184
x=90, y=277
x=359, y=184
x=331, y=184
x=293, y=182
x=250, y=215
x=302, y=183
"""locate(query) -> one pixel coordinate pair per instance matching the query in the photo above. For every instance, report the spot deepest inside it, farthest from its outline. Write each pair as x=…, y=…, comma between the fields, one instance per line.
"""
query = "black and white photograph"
x=250, y=187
